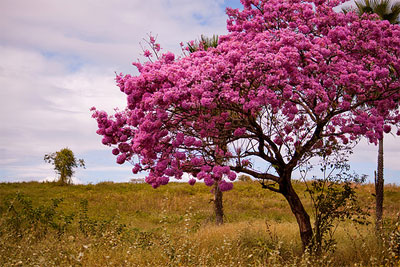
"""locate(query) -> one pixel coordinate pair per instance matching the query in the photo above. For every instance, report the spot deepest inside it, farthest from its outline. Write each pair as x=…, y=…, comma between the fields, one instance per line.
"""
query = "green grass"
x=136, y=225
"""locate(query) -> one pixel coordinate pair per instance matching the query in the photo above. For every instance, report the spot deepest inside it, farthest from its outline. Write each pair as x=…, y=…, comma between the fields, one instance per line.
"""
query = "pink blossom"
x=278, y=140
x=225, y=186
x=169, y=57
x=179, y=138
x=163, y=180
x=180, y=155
x=304, y=29
x=106, y=140
x=387, y=128
x=239, y=131
x=198, y=143
x=232, y=176
x=147, y=53
x=201, y=175
x=121, y=158
x=196, y=161
x=115, y=151
x=136, y=169
x=189, y=141
x=208, y=181
x=321, y=107
x=124, y=147
x=206, y=168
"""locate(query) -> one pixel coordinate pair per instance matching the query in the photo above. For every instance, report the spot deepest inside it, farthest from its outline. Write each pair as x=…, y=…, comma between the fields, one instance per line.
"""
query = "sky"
x=59, y=58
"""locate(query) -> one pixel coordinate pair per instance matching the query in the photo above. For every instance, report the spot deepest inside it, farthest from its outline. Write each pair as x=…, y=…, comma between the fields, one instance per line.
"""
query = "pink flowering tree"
x=292, y=79
x=203, y=44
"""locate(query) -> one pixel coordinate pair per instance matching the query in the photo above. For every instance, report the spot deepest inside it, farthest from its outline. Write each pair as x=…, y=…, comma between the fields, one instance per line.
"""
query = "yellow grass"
x=135, y=225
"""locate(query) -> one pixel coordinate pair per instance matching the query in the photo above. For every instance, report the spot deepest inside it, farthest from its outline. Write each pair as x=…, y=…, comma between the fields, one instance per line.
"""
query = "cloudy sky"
x=59, y=58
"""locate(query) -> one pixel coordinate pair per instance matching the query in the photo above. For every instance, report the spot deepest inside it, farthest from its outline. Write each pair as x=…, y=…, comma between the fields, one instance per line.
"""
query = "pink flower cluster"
x=291, y=78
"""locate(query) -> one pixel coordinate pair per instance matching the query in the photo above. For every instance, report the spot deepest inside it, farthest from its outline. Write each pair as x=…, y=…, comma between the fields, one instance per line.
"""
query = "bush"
x=333, y=199
x=19, y=218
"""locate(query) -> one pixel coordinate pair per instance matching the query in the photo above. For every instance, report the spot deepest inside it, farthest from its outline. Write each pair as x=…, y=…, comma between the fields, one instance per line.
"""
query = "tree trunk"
x=218, y=207
x=379, y=183
x=302, y=217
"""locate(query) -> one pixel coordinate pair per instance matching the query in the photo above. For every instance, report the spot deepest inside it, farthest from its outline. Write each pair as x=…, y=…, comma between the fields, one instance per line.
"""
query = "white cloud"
x=105, y=31
x=367, y=153
x=41, y=111
x=28, y=171
x=58, y=60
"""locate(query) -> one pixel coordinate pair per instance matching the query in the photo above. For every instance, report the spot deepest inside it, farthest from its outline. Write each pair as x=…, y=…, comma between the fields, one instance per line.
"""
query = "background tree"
x=64, y=163
x=390, y=11
x=202, y=44
x=285, y=85
x=386, y=9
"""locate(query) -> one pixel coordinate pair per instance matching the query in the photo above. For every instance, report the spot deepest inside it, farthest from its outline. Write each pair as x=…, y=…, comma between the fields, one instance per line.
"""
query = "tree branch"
x=255, y=174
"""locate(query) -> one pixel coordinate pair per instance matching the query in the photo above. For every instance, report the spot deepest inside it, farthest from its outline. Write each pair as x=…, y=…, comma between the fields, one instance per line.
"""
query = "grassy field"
x=45, y=224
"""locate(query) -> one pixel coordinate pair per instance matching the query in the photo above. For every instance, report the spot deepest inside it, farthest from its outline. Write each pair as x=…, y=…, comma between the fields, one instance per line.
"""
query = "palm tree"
x=203, y=44
x=386, y=10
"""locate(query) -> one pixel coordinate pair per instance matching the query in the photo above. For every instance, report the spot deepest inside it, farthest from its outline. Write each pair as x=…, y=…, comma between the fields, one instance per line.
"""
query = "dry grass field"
x=110, y=224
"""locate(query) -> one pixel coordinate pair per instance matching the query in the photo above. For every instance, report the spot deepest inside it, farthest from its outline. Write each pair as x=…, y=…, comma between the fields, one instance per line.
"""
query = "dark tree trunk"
x=302, y=217
x=379, y=183
x=218, y=207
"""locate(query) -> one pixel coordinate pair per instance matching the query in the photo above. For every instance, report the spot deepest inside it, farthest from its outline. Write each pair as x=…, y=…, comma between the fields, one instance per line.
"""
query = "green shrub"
x=20, y=217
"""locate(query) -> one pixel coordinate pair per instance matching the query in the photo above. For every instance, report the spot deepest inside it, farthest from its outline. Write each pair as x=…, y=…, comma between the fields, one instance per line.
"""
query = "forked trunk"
x=218, y=207
x=379, y=183
x=302, y=217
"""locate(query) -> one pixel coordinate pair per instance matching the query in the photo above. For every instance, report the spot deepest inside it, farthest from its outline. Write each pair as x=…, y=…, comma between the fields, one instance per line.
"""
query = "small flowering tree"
x=203, y=44
x=292, y=79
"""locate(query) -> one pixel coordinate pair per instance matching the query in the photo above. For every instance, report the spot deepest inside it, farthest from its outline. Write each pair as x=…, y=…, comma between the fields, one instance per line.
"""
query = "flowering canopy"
x=291, y=79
